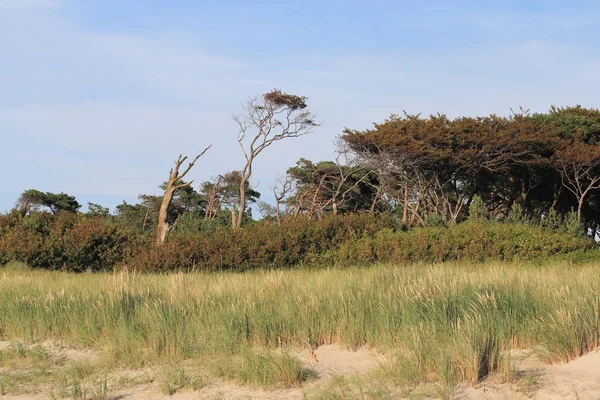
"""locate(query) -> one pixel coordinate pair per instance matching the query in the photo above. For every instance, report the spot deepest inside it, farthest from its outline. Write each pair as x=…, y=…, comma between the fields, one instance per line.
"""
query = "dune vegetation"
x=438, y=325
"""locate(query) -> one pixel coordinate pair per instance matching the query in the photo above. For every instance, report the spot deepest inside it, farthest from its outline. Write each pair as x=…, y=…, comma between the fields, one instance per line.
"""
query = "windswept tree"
x=97, y=210
x=281, y=189
x=33, y=200
x=577, y=156
x=174, y=183
x=332, y=187
x=224, y=193
x=579, y=167
x=267, y=119
x=436, y=165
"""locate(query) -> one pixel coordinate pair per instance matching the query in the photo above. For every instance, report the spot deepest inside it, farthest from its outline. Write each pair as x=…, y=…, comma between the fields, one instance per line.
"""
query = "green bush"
x=477, y=209
x=468, y=241
x=64, y=242
x=572, y=225
x=260, y=245
x=79, y=243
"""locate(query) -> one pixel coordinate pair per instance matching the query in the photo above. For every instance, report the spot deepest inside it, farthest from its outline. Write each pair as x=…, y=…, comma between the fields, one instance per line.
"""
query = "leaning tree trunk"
x=174, y=183
x=163, y=225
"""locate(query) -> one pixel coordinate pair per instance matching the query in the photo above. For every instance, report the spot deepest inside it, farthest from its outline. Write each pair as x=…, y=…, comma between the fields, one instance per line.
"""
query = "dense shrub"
x=468, y=241
x=262, y=244
x=66, y=242
x=78, y=243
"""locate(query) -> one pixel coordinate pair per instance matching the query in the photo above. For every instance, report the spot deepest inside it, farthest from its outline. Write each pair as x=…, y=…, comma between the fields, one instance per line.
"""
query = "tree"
x=32, y=200
x=185, y=201
x=267, y=211
x=224, y=193
x=97, y=210
x=267, y=119
x=135, y=216
x=174, y=183
x=333, y=187
x=577, y=156
x=579, y=167
x=281, y=189
x=436, y=165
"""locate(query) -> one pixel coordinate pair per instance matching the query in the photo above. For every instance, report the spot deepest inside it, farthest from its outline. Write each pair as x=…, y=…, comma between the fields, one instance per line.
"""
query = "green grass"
x=439, y=325
x=341, y=388
x=177, y=378
x=265, y=369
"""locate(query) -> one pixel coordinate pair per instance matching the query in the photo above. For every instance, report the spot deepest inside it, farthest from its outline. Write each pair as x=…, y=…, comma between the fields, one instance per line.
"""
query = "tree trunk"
x=246, y=174
x=375, y=200
x=233, y=217
x=146, y=218
x=405, y=211
x=163, y=225
x=278, y=210
x=240, y=216
x=172, y=186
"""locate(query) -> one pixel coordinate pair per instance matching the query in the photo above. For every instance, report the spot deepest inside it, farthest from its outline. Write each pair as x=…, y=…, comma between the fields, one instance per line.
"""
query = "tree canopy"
x=34, y=200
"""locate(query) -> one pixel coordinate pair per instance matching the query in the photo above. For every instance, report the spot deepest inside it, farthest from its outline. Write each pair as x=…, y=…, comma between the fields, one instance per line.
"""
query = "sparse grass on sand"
x=437, y=324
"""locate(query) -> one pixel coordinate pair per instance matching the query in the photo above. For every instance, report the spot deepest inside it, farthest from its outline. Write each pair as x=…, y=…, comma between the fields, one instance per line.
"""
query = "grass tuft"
x=177, y=379
x=265, y=369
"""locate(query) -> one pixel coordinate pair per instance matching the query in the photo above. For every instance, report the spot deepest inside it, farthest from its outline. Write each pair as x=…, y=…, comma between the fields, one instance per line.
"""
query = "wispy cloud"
x=105, y=113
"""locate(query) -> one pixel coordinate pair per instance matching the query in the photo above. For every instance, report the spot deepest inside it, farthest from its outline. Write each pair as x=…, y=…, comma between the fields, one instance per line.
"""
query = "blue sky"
x=99, y=97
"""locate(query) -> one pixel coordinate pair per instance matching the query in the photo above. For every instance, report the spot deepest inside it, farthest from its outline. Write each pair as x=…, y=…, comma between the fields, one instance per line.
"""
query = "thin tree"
x=579, y=168
x=280, y=190
x=173, y=183
x=267, y=119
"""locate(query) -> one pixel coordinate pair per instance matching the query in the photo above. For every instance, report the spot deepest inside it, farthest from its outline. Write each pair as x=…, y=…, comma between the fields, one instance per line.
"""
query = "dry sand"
x=579, y=379
x=332, y=360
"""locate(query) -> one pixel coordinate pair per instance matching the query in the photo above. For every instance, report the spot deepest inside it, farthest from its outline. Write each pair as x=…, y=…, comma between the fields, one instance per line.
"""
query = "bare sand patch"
x=337, y=360
x=332, y=360
x=577, y=380
x=58, y=349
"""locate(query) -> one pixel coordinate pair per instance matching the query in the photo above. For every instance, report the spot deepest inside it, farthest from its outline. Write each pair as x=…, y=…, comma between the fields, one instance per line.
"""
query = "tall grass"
x=440, y=323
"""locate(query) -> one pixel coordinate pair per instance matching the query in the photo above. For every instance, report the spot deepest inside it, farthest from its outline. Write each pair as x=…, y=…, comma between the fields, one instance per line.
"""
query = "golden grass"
x=445, y=323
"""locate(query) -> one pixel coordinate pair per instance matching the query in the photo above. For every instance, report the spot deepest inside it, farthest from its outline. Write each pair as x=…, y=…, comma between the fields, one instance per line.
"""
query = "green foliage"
x=516, y=215
x=191, y=223
x=477, y=209
x=265, y=369
x=262, y=244
x=571, y=122
x=552, y=220
x=31, y=200
x=435, y=221
x=65, y=241
x=572, y=225
x=473, y=242
x=333, y=186
x=437, y=323
x=96, y=210
x=133, y=215
x=80, y=243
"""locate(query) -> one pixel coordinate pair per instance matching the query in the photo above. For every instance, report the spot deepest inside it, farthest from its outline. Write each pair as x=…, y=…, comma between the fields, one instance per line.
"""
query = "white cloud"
x=103, y=113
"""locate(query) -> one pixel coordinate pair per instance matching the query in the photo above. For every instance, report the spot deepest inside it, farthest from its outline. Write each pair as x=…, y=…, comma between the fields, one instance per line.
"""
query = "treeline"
x=534, y=164
x=397, y=192
x=85, y=242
